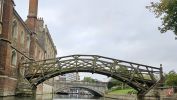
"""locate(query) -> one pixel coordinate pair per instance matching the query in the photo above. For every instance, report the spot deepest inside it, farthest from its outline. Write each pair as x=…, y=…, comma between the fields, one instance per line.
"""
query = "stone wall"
x=39, y=89
x=168, y=93
x=163, y=93
x=8, y=86
x=10, y=42
x=47, y=89
x=25, y=44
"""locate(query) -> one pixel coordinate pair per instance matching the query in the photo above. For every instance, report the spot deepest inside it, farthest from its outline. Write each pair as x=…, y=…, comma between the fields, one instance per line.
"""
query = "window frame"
x=14, y=29
x=22, y=37
x=14, y=58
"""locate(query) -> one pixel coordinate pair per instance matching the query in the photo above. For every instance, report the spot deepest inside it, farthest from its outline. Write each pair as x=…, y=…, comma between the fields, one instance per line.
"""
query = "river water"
x=54, y=97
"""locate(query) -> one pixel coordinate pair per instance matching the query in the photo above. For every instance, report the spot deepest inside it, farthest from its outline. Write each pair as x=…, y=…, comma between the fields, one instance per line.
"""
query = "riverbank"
x=123, y=91
x=125, y=94
x=121, y=96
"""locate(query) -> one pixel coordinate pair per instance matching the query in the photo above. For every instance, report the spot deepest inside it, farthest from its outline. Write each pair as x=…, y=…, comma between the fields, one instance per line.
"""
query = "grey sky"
x=122, y=29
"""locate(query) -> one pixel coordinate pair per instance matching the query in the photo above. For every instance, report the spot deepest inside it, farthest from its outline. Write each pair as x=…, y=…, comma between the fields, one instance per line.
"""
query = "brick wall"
x=8, y=72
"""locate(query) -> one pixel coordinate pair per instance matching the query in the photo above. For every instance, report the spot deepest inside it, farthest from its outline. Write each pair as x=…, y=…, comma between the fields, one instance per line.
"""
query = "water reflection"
x=75, y=97
x=54, y=97
x=38, y=97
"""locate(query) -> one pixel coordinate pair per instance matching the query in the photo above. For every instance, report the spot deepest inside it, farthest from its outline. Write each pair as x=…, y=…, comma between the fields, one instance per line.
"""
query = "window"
x=22, y=70
x=35, y=51
x=22, y=38
x=1, y=13
x=14, y=58
x=0, y=28
x=14, y=29
x=1, y=9
x=28, y=42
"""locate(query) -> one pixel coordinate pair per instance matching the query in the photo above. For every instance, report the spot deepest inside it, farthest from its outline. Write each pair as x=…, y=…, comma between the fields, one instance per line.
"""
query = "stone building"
x=44, y=47
x=45, y=39
x=21, y=41
x=71, y=77
x=46, y=42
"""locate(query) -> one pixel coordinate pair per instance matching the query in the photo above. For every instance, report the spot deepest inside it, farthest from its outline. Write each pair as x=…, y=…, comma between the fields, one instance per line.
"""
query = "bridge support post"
x=140, y=97
x=24, y=88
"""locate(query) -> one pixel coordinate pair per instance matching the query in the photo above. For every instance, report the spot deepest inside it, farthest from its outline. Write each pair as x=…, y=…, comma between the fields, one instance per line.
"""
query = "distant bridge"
x=140, y=77
x=96, y=88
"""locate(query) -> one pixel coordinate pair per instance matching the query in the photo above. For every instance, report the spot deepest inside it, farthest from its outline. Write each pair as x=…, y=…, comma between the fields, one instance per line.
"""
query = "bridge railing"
x=140, y=76
x=95, y=62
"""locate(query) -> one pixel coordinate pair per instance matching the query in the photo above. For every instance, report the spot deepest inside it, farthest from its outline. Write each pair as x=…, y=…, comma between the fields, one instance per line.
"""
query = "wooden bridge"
x=140, y=77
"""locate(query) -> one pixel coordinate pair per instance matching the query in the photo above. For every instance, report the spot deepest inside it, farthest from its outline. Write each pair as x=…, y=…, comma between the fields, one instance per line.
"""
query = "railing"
x=95, y=62
x=140, y=77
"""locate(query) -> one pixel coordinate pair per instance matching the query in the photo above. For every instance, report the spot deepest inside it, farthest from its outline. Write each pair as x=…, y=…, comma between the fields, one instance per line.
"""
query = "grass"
x=124, y=91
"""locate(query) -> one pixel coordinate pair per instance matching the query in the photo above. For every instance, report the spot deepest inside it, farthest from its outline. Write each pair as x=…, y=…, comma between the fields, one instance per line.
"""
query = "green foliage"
x=89, y=79
x=124, y=91
x=113, y=82
x=116, y=83
x=123, y=69
x=171, y=79
x=167, y=11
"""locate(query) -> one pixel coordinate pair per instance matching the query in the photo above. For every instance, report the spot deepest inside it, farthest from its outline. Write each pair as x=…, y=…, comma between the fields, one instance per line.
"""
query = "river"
x=54, y=97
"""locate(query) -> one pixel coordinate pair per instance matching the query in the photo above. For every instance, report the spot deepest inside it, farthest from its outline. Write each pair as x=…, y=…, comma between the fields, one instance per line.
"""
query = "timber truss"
x=138, y=76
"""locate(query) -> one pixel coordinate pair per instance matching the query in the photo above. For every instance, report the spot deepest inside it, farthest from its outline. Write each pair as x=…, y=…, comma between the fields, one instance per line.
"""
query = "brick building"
x=21, y=41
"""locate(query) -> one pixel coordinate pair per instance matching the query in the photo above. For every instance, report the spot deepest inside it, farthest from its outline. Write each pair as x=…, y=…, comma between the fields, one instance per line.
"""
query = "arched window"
x=22, y=69
x=22, y=38
x=14, y=29
x=1, y=9
x=14, y=58
x=35, y=51
x=0, y=28
x=28, y=42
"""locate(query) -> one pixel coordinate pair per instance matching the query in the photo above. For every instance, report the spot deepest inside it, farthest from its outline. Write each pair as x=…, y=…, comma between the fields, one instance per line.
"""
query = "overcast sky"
x=122, y=29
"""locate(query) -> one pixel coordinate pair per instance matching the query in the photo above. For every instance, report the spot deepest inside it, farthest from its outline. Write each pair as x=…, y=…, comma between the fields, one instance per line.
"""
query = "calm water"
x=54, y=97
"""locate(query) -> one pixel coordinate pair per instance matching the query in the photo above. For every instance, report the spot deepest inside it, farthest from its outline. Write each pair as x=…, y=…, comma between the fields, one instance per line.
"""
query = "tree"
x=113, y=82
x=89, y=79
x=123, y=70
x=171, y=79
x=166, y=10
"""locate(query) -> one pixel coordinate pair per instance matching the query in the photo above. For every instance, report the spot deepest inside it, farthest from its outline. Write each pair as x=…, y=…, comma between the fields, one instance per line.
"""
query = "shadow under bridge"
x=96, y=88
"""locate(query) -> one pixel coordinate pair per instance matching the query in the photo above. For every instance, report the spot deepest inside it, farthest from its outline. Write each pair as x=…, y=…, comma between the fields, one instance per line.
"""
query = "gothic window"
x=1, y=13
x=14, y=58
x=35, y=51
x=0, y=28
x=14, y=29
x=28, y=42
x=22, y=38
x=1, y=9
x=22, y=70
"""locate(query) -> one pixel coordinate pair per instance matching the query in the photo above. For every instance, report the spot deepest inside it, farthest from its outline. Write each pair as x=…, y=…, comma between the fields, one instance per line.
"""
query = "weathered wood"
x=134, y=74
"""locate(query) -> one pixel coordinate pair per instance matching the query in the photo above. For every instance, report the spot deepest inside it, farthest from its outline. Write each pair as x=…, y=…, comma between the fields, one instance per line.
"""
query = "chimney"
x=33, y=8
x=32, y=15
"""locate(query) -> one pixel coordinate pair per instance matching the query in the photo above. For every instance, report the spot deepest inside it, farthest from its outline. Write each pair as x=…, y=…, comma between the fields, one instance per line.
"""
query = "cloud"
x=122, y=29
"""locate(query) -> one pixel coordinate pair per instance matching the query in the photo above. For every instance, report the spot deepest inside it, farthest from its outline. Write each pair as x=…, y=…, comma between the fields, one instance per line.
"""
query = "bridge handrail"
x=106, y=58
x=133, y=74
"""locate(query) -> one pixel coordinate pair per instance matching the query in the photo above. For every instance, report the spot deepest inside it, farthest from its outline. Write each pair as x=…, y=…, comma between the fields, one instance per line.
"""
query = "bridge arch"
x=91, y=90
x=138, y=76
x=96, y=88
